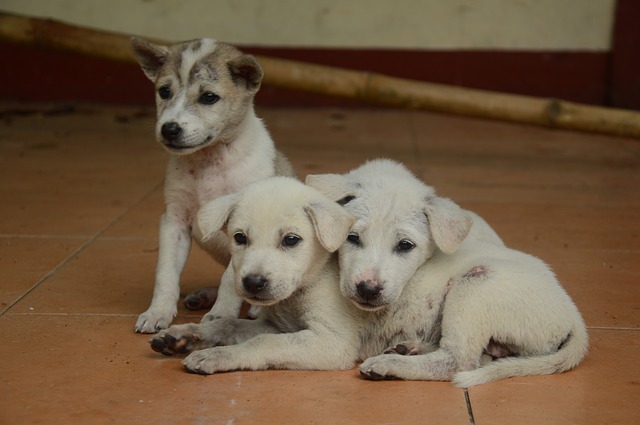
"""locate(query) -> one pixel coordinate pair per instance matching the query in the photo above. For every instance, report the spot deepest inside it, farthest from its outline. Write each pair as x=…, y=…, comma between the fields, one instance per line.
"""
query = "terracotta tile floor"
x=81, y=194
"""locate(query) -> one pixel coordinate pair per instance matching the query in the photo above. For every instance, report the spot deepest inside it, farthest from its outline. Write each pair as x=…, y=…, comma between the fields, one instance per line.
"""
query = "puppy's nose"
x=368, y=291
x=171, y=131
x=254, y=283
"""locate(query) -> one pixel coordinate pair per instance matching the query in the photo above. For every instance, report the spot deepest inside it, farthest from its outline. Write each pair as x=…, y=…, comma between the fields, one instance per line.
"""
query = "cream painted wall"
x=417, y=24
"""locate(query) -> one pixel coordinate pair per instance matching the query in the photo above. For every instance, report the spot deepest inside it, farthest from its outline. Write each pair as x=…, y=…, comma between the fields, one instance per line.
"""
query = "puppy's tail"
x=567, y=357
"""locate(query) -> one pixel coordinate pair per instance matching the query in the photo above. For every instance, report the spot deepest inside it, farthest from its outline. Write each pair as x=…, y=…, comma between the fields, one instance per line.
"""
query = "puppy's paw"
x=152, y=321
x=378, y=368
x=208, y=361
x=410, y=348
x=201, y=299
x=178, y=339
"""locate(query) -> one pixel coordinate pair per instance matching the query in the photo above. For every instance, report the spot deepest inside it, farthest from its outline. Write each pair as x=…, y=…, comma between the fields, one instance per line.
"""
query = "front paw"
x=152, y=321
x=208, y=361
x=378, y=368
x=178, y=339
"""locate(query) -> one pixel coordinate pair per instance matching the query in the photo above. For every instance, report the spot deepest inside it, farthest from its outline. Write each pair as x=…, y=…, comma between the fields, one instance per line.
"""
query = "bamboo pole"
x=358, y=85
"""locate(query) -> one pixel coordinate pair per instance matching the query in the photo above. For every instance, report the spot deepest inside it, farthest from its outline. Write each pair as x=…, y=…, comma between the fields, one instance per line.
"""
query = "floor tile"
x=92, y=369
x=114, y=276
x=548, y=225
x=602, y=283
x=142, y=220
x=367, y=132
x=82, y=193
x=605, y=388
x=27, y=261
x=70, y=160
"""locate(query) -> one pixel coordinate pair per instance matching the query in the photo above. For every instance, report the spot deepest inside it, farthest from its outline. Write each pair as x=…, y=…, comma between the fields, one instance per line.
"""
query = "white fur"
x=223, y=147
x=454, y=299
x=305, y=323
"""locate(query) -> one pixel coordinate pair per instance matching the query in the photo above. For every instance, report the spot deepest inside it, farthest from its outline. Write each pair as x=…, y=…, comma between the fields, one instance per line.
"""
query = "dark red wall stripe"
x=575, y=76
x=32, y=74
x=624, y=81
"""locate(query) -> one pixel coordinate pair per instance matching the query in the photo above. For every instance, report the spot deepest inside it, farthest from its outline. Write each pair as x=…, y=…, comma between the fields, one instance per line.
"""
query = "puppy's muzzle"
x=254, y=283
x=171, y=131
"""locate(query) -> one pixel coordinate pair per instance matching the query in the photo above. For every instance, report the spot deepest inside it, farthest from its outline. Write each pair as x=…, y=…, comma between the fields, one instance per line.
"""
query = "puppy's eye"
x=164, y=92
x=208, y=98
x=405, y=245
x=344, y=201
x=354, y=239
x=240, y=238
x=291, y=240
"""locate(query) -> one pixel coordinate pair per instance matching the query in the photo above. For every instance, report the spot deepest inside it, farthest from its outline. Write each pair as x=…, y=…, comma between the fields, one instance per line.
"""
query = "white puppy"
x=445, y=296
x=282, y=235
x=206, y=121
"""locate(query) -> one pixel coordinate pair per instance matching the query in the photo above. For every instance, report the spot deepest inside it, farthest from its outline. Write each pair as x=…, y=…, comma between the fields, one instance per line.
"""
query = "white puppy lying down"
x=443, y=295
x=282, y=235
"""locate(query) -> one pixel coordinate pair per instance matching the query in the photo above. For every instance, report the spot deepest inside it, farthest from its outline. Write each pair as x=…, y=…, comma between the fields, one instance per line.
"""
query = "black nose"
x=368, y=291
x=171, y=131
x=254, y=283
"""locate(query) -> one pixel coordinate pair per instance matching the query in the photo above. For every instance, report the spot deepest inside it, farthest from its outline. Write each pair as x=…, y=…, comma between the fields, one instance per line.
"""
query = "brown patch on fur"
x=476, y=272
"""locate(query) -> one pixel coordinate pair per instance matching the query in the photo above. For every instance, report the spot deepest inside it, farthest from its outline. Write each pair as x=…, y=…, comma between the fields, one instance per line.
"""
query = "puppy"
x=206, y=121
x=282, y=235
x=442, y=290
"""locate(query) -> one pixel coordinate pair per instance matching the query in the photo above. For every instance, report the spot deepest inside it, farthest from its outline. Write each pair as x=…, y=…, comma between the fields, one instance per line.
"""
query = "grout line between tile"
x=31, y=313
x=607, y=328
x=27, y=236
x=467, y=400
x=81, y=248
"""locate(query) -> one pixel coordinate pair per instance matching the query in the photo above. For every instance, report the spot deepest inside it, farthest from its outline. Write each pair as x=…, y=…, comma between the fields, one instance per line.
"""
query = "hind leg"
x=429, y=363
x=201, y=299
x=438, y=365
x=410, y=348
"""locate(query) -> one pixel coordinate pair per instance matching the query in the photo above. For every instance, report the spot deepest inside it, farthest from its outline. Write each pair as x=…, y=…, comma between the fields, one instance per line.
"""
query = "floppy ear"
x=448, y=223
x=150, y=56
x=331, y=223
x=214, y=215
x=245, y=70
x=334, y=186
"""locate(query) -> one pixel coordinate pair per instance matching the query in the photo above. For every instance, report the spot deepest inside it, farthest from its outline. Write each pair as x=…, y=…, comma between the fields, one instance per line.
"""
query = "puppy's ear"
x=331, y=223
x=245, y=70
x=334, y=186
x=448, y=223
x=150, y=56
x=214, y=215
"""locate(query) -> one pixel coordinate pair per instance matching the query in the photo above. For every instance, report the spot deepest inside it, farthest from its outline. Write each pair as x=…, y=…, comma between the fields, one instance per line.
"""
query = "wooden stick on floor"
x=358, y=85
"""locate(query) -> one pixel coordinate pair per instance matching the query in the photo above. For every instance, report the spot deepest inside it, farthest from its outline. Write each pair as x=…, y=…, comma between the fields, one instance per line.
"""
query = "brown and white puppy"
x=206, y=121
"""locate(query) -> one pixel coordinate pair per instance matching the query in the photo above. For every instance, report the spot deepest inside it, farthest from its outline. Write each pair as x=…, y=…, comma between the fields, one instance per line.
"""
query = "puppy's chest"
x=213, y=182
x=196, y=183
x=286, y=316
